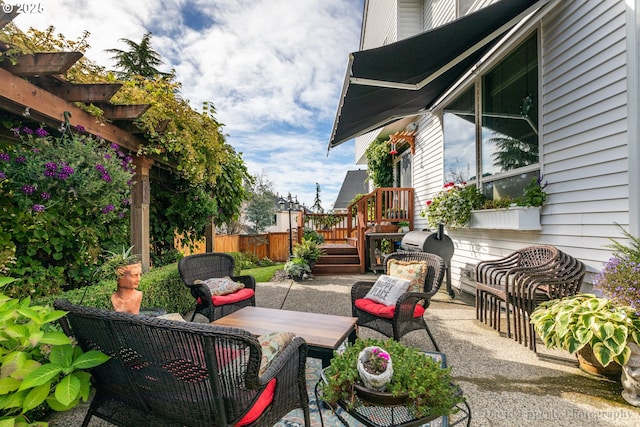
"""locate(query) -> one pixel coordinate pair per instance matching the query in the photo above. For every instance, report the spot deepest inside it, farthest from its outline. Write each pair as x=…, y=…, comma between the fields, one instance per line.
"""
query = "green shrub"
x=63, y=200
x=312, y=235
x=161, y=288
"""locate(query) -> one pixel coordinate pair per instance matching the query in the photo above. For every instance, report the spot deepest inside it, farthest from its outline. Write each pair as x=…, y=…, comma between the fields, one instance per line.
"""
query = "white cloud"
x=273, y=70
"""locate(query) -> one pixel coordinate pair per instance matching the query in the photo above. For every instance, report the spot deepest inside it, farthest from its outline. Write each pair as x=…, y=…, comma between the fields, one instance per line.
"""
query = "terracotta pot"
x=588, y=363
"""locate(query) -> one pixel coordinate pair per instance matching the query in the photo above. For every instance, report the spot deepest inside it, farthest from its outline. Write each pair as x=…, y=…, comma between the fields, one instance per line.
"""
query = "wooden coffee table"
x=323, y=332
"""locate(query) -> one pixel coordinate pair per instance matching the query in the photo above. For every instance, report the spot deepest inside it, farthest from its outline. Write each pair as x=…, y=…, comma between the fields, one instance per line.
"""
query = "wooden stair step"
x=321, y=269
x=339, y=259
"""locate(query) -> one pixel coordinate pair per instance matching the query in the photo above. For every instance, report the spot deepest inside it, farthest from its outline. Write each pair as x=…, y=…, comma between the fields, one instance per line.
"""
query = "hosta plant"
x=41, y=367
x=573, y=322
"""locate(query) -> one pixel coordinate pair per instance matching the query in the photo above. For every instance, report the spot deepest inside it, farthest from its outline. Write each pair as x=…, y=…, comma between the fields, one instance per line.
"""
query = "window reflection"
x=508, y=128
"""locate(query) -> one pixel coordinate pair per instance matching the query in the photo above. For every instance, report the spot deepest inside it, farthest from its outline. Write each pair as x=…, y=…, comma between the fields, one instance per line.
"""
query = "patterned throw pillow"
x=220, y=285
x=387, y=289
x=413, y=271
x=272, y=344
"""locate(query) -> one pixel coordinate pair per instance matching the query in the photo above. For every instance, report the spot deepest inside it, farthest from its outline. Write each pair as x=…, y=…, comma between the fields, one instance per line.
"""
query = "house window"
x=402, y=173
x=491, y=130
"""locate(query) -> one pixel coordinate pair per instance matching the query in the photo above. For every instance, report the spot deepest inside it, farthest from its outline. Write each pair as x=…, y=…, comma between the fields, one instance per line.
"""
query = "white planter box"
x=513, y=218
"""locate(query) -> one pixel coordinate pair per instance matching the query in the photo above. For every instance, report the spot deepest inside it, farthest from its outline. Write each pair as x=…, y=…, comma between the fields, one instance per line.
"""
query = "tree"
x=261, y=207
x=317, y=206
x=139, y=60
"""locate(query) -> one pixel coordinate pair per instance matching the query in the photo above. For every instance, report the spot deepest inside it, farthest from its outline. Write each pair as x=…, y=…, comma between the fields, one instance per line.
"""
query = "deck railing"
x=383, y=206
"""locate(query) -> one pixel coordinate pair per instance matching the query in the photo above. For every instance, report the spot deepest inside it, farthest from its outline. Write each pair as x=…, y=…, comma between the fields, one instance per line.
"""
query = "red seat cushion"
x=239, y=295
x=265, y=399
x=381, y=310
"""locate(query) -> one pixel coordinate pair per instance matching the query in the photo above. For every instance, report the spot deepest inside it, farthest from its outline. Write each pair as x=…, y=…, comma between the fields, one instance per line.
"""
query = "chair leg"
x=426, y=328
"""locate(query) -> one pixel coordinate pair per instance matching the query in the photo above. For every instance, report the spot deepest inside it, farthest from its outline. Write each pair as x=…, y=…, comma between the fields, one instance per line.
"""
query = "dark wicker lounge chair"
x=494, y=281
x=168, y=373
x=521, y=281
x=215, y=265
x=403, y=320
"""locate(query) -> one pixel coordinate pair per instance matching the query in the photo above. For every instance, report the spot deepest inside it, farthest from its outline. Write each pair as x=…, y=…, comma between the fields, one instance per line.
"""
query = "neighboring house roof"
x=355, y=182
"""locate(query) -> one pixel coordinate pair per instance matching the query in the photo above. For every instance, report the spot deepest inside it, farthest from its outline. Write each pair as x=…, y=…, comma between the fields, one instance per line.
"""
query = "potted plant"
x=587, y=321
x=309, y=250
x=127, y=269
x=296, y=268
x=403, y=226
x=462, y=205
x=452, y=205
x=425, y=387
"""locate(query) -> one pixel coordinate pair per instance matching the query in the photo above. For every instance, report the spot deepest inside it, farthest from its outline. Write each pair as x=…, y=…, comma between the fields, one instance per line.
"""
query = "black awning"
x=406, y=77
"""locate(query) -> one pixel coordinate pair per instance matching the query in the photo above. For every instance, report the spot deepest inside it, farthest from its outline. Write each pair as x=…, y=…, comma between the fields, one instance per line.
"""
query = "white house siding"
x=584, y=137
x=409, y=18
x=381, y=26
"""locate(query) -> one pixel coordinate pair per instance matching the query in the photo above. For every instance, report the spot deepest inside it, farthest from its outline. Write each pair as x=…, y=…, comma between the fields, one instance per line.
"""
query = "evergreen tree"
x=317, y=204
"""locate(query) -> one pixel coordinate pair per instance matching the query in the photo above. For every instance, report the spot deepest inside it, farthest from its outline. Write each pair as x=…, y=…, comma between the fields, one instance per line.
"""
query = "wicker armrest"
x=249, y=281
x=410, y=299
x=360, y=289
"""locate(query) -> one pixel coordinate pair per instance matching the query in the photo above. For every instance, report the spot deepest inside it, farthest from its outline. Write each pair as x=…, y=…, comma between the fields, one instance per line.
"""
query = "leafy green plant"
x=114, y=260
x=41, y=367
x=453, y=205
x=313, y=235
x=297, y=268
x=308, y=250
x=379, y=163
x=573, y=322
x=534, y=194
x=429, y=387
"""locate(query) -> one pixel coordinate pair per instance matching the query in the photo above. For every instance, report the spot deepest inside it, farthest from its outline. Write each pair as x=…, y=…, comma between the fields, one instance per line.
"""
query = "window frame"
x=475, y=81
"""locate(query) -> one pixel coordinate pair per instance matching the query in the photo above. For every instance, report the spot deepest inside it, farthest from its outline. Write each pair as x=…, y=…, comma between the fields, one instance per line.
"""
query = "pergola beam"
x=123, y=112
x=16, y=94
x=44, y=63
x=75, y=92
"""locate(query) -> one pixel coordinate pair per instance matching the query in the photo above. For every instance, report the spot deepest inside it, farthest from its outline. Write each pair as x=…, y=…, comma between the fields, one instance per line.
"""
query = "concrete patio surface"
x=505, y=383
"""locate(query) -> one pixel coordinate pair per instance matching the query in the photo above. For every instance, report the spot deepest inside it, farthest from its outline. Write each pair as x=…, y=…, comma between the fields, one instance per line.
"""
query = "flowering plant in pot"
x=419, y=380
x=453, y=205
x=375, y=367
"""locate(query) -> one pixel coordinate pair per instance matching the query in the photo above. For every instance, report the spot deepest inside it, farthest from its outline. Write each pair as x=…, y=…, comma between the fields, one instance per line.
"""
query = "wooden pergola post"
x=140, y=199
x=210, y=236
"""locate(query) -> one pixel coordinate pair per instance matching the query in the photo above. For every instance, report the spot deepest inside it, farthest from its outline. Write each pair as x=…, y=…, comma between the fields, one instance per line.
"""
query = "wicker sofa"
x=170, y=373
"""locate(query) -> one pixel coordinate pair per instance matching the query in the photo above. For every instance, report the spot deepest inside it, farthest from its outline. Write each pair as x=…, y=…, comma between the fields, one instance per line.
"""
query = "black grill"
x=432, y=242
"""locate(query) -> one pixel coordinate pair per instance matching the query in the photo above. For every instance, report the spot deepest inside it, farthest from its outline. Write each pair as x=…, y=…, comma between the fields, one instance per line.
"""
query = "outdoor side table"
x=395, y=415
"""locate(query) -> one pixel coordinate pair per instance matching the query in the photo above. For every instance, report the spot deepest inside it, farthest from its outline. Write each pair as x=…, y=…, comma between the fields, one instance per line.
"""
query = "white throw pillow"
x=387, y=289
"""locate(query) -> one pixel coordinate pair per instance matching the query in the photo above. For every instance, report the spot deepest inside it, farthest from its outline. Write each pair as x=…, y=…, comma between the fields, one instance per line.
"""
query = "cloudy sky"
x=273, y=69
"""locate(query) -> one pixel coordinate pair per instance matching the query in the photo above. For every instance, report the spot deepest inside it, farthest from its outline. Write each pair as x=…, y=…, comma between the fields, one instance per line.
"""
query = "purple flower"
x=106, y=156
x=107, y=209
x=37, y=208
x=45, y=196
x=21, y=159
x=28, y=189
x=27, y=130
x=126, y=202
x=101, y=168
x=2, y=176
x=16, y=131
x=115, y=146
x=5, y=157
x=80, y=128
x=106, y=177
x=41, y=133
x=65, y=173
x=122, y=214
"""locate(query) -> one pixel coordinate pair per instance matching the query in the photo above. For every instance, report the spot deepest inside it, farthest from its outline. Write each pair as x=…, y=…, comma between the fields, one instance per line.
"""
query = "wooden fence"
x=274, y=246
